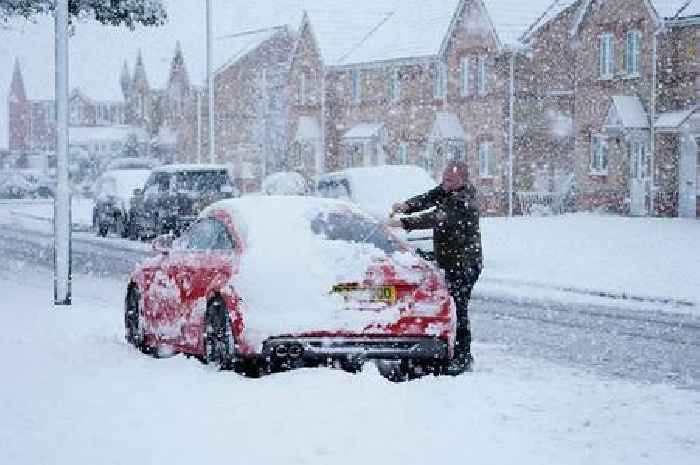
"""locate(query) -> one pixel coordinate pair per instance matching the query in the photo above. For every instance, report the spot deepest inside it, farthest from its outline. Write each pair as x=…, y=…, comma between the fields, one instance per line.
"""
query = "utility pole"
x=210, y=83
x=62, y=220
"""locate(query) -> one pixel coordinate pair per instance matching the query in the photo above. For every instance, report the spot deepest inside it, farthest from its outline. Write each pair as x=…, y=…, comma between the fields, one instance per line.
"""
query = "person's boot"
x=461, y=363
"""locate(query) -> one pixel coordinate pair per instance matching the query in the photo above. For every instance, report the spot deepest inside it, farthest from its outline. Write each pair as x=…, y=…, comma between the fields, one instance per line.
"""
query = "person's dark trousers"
x=460, y=284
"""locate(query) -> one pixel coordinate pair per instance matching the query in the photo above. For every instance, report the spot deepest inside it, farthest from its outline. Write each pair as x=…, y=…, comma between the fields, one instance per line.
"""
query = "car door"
x=203, y=267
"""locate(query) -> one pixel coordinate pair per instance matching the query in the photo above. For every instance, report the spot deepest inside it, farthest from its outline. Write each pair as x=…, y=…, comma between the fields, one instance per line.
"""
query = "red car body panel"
x=176, y=286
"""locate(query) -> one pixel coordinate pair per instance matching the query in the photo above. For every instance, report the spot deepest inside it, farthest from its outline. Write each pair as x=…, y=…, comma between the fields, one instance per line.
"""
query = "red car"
x=264, y=284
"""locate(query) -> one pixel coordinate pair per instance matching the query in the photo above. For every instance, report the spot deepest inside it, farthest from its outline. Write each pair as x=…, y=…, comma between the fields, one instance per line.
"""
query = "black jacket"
x=455, y=225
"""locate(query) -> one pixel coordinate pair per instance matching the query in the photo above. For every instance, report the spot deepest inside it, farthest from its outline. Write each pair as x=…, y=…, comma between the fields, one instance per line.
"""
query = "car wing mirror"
x=162, y=244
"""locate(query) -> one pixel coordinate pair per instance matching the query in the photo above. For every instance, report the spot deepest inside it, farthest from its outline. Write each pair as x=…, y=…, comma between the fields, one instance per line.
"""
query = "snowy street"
x=75, y=392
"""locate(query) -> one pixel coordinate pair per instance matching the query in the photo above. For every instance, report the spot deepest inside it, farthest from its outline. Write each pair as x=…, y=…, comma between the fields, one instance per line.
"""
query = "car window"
x=202, y=181
x=209, y=234
x=334, y=189
x=351, y=227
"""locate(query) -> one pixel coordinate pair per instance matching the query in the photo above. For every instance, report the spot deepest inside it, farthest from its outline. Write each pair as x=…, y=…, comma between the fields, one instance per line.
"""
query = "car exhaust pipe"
x=281, y=350
x=295, y=351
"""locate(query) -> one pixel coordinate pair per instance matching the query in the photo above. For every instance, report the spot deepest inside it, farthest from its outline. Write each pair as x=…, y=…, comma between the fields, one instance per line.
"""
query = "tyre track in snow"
x=647, y=346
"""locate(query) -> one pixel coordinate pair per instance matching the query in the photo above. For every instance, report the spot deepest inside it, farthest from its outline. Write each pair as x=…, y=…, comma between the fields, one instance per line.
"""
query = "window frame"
x=356, y=86
x=482, y=75
x=394, y=85
x=606, y=58
x=440, y=81
x=600, y=155
x=633, y=53
x=484, y=157
x=402, y=153
x=464, y=76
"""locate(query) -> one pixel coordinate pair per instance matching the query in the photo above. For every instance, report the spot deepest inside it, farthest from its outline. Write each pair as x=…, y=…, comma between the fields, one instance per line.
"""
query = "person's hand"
x=399, y=207
x=394, y=223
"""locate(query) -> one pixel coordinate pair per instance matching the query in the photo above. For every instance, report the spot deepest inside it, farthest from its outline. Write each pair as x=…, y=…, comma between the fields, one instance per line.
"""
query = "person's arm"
x=424, y=221
x=424, y=201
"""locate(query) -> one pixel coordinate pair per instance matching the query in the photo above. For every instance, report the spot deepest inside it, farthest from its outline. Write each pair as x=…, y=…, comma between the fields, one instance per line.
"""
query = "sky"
x=97, y=52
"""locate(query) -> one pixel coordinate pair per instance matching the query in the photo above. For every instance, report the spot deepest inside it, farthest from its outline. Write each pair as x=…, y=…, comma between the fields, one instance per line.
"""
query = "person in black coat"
x=453, y=215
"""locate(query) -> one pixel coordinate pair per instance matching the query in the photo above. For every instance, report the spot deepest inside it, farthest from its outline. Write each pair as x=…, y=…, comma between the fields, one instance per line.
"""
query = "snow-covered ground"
x=73, y=392
x=640, y=263
x=651, y=262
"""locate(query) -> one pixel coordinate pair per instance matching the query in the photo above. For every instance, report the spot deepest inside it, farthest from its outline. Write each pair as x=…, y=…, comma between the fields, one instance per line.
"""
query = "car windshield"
x=352, y=227
x=201, y=181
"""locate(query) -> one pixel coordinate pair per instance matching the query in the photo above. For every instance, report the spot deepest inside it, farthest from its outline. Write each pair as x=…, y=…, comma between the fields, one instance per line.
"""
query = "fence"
x=540, y=202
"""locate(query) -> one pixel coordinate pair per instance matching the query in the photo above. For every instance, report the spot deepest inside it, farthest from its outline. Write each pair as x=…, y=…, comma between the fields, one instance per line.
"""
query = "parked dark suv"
x=174, y=195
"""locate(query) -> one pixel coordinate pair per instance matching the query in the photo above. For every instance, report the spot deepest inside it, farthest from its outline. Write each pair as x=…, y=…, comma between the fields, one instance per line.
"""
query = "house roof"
x=364, y=131
x=86, y=134
x=627, y=112
x=415, y=28
x=513, y=20
x=671, y=121
x=447, y=127
x=229, y=49
x=676, y=9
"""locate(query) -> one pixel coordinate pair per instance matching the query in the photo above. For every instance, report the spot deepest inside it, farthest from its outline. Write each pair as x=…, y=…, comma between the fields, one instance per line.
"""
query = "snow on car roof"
x=188, y=167
x=287, y=270
x=125, y=181
x=375, y=189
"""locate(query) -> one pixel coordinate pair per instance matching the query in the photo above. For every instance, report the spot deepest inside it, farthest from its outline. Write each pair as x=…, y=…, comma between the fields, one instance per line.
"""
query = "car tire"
x=219, y=342
x=123, y=227
x=398, y=371
x=134, y=330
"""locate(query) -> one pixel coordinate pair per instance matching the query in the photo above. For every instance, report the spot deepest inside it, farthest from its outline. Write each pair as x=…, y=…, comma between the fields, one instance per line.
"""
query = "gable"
x=306, y=50
x=585, y=12
x=470, y=26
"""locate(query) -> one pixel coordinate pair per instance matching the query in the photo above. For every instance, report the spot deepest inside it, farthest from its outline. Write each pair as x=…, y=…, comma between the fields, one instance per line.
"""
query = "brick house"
x=629, y=82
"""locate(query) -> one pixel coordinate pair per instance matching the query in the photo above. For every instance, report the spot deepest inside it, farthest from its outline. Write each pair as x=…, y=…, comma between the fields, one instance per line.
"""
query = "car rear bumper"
x=388, y=348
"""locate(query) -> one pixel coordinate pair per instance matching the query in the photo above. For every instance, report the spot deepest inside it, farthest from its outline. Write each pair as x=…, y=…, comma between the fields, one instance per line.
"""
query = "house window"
x=606, y=56
x=402, y=156
x=482, y=76
x=639, y=161
x=356, y=86
x=302, y=89
x=456, y=150
x=440, y=81
x=75, y=113
x=354, y=155
x=487, y=167
x=632, y=56
x=599, y=155
x=394, y=85
x=464, y=76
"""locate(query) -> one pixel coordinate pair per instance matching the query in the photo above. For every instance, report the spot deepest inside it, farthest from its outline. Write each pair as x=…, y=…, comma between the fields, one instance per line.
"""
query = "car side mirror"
x=162, y=244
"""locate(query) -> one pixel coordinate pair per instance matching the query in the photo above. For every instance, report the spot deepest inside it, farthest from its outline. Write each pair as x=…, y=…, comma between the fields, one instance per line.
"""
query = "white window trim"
x=402, y=153
x=440, y=81
x=465, y=82
x=598, y=140
x=606, y=56
x=356, y=86
x=484, y=148
x=482, y=83
x=636, y=53
x=394, y=86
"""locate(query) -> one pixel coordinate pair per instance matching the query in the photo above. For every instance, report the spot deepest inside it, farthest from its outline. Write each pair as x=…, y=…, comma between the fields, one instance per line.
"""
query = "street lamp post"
x=62, y=220
x=210, y=84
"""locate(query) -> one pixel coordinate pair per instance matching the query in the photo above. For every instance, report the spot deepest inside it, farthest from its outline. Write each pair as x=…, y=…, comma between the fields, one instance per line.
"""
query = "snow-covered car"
x=270, y=283
x=132, y=163
x=375, y=189
x=113, y=198
x=175, y=194
x=285, y=183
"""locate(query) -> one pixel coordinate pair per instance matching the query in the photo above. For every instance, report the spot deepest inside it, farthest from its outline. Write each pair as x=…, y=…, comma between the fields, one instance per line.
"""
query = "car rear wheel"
x=133, y=319
x=219, y=342
x=398, y=371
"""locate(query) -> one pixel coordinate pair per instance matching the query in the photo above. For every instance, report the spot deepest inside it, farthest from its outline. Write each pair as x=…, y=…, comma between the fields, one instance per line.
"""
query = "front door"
x=639, y=178
x=688, y=178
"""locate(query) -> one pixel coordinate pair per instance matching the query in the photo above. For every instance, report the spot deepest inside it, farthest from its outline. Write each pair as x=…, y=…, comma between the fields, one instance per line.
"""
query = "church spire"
x=17, y=90
x=140, y=71
x=125, y=79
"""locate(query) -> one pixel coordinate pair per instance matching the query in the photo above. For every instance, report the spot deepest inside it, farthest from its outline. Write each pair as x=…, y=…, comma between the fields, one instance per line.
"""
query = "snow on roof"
x=88, y=134
x=416, y=28
x=672, y=120
x=556, y=8
x=287, y=269
x=175, y=168
x=629, y=112
x=447, y=126
x=364, y=131
x=676, y=9
x=375, y=189
x=308, y=129
x=512, y=20
x=228, y=49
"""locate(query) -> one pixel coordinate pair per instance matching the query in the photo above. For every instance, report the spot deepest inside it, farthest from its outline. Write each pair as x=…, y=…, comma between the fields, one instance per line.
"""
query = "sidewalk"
x=647, y=263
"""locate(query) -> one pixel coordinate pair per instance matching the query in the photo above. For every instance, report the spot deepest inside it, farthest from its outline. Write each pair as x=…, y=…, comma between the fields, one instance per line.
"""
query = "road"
x=654, y=347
